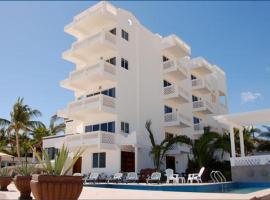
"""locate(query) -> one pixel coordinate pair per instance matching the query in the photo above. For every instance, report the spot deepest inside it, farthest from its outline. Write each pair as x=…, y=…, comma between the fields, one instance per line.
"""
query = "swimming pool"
x=232, y=187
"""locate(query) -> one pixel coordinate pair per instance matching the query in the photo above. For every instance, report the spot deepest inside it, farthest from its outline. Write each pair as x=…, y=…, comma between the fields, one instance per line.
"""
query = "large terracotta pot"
x=22, y=183
x=4, y=182
x=45, y=187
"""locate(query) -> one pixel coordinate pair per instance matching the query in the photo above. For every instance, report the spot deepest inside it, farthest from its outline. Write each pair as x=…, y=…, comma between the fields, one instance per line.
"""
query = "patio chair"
x=117, y=177
x=132, y=177
x=93, y=177
x=171, y=176
x=196, y=176
x=155, y=177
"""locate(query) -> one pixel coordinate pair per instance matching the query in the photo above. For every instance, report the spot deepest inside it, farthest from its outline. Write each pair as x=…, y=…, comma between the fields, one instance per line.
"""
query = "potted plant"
x=55, y=183
x=22, y=181
x=5, y=179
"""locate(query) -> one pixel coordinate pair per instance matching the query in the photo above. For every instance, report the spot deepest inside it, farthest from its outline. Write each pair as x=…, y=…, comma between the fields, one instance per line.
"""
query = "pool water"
x=233, y=187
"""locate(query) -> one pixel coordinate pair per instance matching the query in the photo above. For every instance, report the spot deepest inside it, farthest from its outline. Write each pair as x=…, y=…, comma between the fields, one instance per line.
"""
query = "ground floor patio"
x=107, y=193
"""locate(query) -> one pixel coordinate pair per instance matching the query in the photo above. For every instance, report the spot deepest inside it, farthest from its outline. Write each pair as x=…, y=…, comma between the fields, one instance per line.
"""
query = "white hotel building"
x=125, y=75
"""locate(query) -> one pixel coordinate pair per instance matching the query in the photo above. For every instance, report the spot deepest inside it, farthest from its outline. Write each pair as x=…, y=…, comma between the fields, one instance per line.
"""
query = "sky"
x=232, y=35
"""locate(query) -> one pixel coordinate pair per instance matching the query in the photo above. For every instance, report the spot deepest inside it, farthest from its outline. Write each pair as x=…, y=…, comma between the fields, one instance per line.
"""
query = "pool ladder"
x=217, y=177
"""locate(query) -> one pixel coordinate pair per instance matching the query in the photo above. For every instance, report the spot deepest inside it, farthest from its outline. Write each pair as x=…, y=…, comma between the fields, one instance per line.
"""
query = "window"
x=124, y=127
x=166, y=83
x=99, y=160
x=167, y=109
x=194, y=98
x=164, y=58
x=113, y=31
x=193, y=77
x=125, y=35
x=124, y=63
x=112, y=61
x=52, y=152
x=196, y=120
x=107, y=127
x=110, y=92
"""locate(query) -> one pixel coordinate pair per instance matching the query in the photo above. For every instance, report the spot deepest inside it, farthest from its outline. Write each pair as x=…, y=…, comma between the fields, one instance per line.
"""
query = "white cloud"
x=250, y=96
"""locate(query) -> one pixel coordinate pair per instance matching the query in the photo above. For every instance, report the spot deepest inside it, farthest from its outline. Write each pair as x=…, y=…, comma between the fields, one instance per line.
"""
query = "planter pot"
x=45, y=187
x=4, y=182
x=22, y=183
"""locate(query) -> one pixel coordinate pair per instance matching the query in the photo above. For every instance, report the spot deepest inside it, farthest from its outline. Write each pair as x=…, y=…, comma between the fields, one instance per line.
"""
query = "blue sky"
x=233, y=35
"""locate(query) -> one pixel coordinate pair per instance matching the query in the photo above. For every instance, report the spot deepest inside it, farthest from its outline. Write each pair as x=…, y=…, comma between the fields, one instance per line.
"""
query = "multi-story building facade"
x=124, y=76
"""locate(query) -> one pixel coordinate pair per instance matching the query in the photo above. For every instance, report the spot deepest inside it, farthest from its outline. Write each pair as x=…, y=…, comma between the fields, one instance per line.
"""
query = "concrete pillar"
x=232, y=141
x=242, y=145
x=136, y=159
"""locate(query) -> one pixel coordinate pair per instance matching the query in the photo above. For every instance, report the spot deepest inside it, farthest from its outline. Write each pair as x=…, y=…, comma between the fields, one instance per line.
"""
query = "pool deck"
x=107, y=193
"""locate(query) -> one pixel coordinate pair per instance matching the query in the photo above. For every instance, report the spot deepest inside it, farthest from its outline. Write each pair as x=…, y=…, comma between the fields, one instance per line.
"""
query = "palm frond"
x=151, y=135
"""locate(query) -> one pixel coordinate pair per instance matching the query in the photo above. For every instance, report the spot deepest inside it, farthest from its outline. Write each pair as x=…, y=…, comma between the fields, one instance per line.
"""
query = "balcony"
x=102, y=73
x=201, y=85
x=201, y=66
x=91, y=48
x=175, y=70
x=178, y=148
x=175, y=46
x=203, y=106
x=176, y=120
x=97, y=17
x=98, y=107
x=199, y=128
x=176, y=95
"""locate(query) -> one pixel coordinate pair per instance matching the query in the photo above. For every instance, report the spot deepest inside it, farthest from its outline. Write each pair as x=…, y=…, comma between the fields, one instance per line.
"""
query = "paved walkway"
x=106, y=193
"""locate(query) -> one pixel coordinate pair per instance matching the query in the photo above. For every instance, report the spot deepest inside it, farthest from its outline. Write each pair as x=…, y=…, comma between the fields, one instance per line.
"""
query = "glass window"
x=52, y=152
x=95, y=160
x=196, y=120
x=124, y=63
x=164, y=58
x=125, y=35
x=111, y=127
x=167, y=109
x=193, y=77
x=112, y=61
x=124, y=127
x=104, y=127
x=96, y=127
x=194, y=98
x=89, y=128
x=166, y=83
x=113, y=31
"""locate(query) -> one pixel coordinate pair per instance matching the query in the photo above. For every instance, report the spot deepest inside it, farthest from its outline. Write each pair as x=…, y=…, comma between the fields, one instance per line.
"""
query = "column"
x=136, y=159
x=242, y=145
x=232, y=141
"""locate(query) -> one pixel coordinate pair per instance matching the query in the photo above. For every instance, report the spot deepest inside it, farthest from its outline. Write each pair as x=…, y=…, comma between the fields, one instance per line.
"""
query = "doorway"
x=127, y=161
x=77, y=167
x=170, y=162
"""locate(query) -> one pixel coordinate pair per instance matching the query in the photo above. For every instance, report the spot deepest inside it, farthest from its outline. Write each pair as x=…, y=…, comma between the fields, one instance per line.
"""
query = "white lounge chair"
x=171, y=176
x=93, y=177
x=132, y=177
x=117, y=177
x=155, y=177
x=196, y=177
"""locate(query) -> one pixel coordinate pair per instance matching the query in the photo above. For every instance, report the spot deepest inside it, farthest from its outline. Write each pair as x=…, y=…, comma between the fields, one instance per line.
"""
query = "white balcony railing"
x=177, y=148
x=176, y=90
x=103, y=66
x=201, y=83
x=93, y=101
x=199, y=126
x=177, y=65
x=177, y=117
x=250, y=160
x=91, y=138
x=203, y=104
x=101, y=36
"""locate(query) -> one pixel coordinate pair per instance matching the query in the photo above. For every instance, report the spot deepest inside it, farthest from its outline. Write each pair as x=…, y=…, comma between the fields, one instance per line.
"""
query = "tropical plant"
x=25, y=169
x=266, y=133
x=159, y=151
x=249, y=141
x=20, y=121
x=61, y=164
x=4, y=172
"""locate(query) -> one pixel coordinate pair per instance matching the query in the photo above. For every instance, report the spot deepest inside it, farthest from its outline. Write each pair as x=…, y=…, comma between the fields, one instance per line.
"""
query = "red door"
x=77, y=167
x=127, y=161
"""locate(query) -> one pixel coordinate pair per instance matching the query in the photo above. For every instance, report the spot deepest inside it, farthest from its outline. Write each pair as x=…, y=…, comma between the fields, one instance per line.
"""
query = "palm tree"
x=159, y=151
x=20, y=121
x=265, y=134
x=55, y=127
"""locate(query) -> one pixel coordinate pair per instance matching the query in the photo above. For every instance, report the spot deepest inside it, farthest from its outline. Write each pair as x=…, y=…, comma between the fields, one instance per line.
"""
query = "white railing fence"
x=250, y=160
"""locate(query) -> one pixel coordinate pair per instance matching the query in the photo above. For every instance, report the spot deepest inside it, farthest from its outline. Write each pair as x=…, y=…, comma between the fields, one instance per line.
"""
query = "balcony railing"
x=177, y=117
x=177, y=148
x=199, y=127
x=176, y=90
x=250, y=160
x=203, y=104
x=175, y=65
x=201, y=83
x=103, y=35
x=101, y=100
